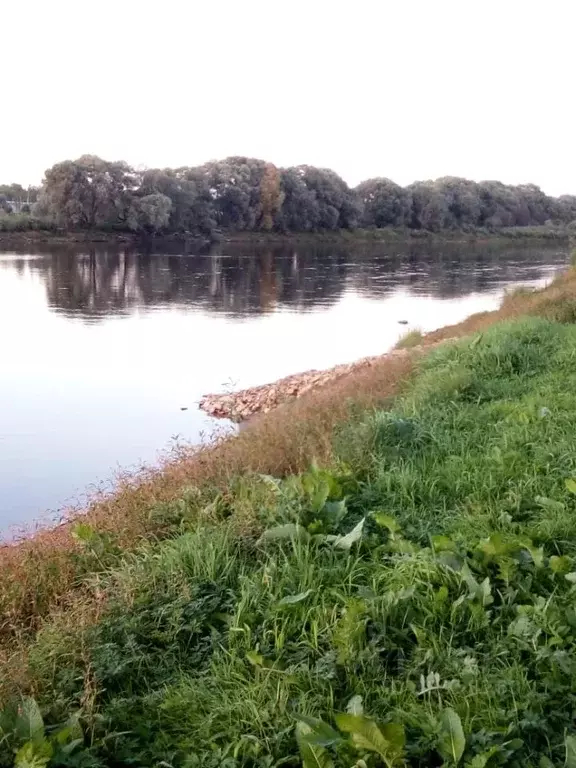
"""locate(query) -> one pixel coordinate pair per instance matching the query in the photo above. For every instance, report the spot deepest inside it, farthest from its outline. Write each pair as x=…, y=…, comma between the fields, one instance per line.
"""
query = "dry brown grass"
x=39, y=574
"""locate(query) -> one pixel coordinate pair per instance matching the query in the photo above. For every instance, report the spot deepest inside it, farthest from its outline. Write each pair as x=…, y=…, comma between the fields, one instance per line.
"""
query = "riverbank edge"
x=374, y=236
x=41, y=565
x=244, y=405
x=106, y=568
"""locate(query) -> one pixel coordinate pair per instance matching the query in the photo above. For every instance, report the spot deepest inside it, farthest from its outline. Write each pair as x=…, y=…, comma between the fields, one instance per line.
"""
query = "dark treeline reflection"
x=241, y=281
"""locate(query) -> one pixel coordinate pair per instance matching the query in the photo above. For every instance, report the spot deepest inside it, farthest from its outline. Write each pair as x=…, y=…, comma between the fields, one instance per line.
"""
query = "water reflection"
x=96, y=283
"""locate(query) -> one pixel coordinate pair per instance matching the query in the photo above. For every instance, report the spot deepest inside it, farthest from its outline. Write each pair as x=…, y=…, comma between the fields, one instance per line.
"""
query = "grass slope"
x=410, y=603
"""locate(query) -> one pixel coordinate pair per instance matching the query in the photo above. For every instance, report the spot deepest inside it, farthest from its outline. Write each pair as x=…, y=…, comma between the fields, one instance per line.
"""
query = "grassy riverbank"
x=406, y=600
x=19, y=234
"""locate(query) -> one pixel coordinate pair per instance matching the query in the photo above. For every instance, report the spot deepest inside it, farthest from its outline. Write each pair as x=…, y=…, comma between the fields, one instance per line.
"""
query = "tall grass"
x=410, y=339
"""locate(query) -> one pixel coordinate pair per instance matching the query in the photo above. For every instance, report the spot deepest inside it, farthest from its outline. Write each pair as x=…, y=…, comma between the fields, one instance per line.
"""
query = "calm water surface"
x=102, y=349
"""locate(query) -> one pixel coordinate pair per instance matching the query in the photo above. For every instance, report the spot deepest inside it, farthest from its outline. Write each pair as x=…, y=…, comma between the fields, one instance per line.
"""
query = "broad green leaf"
x=571, y=577
x=282, y=532
x=403, y=546
x=34, y=754
x=442, y=543
x=551, y=504
x=308, y=482
x=255, y=658
x=293, y=599
x=346, y=542
x=452, y=741
x=29, y=723
x=481, y=761
x=71, y=731
x=386, y=521
x=570, y=744
x=494, y=546
x=313, y=755
x=366, y=735
x=482, y=591
x=560, y=563
x=451, y=560
x=321, y=733
x=70, y=746
x=395, y=736
x=570, y=484
x=354, y=706
x=320, y=496
x=544, y=762
x=514, y=744
x=537, y=554
x=523, y=626
x=8, y=719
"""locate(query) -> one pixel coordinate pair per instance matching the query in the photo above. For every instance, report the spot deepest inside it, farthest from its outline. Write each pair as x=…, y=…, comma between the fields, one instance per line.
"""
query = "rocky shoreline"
x=247, y=403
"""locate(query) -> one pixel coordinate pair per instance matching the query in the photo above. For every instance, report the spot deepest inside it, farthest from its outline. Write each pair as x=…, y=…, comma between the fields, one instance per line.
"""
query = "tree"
x=565, y=208
x=14, y=192
x=150, y=213
x=271, y=197
x=337, y=205
x=462, y=200
x=300, y=210
x=384, y=203
x=89, y=192
x=235, y=188
x=501, y=206
x=429, y=207
x=192, y=205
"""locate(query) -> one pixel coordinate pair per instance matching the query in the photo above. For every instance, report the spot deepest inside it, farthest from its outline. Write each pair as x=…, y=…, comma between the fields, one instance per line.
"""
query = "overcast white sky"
x=409, y=89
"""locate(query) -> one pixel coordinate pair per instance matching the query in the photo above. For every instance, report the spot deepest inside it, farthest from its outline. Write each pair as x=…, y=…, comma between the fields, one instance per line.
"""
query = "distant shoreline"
x=375, y=236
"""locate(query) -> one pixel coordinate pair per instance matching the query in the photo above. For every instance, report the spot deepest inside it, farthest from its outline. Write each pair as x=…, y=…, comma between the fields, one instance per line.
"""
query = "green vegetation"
x=410, y=339
x=410, y=603
x=23, y=222
x=241, y=194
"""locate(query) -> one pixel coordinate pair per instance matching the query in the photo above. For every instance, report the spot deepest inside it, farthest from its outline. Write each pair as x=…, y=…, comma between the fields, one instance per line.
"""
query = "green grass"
x=444, y=623
x=410, y=339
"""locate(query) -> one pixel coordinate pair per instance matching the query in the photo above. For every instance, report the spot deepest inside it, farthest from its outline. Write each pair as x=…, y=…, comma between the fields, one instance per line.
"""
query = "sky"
x=408, y=89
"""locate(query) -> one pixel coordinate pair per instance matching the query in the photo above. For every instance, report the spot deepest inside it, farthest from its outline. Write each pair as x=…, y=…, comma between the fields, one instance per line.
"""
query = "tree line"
x=15, y=196
x=247, y=194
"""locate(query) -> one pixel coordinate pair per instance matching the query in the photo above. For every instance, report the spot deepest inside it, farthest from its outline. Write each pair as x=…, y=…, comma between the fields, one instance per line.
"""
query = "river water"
x=103, y=349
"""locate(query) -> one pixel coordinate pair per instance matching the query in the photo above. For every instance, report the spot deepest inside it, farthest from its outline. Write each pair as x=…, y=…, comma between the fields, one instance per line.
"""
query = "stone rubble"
x=242, y=405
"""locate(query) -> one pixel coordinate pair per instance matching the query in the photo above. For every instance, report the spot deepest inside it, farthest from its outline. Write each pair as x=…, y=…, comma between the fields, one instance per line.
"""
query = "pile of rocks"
x=240, y=406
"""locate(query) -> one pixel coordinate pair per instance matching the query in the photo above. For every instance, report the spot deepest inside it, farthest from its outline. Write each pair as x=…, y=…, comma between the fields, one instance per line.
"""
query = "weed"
x=410, y=339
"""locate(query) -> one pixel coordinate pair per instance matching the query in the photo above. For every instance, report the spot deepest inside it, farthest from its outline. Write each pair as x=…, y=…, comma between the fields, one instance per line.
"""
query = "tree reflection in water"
x=240, y=280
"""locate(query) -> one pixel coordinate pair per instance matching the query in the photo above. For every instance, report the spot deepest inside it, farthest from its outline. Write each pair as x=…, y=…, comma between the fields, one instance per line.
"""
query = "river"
x=105, y=352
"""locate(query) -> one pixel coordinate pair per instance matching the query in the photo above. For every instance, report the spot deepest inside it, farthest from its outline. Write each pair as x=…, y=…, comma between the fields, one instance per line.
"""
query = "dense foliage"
x=246, y=194
x=410, y=605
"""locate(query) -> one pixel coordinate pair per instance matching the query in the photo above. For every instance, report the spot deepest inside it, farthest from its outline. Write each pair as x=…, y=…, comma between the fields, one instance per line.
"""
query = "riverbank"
x=384, y=236
x=409, y=523
x=243, y=405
